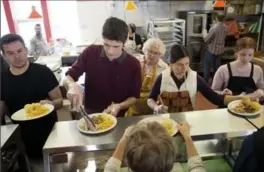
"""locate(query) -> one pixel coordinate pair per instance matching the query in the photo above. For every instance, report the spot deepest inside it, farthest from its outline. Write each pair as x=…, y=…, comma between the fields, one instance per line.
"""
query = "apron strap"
x=229, y=70
x=252, y=70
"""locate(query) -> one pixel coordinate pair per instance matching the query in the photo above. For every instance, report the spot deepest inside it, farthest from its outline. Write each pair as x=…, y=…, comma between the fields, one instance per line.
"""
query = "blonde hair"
x=150, y=149
x=155, y=44
x=245, y=42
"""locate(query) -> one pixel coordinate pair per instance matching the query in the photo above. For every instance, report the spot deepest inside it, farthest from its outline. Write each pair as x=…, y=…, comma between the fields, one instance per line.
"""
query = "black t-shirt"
x=29, y=87
x=32, y=86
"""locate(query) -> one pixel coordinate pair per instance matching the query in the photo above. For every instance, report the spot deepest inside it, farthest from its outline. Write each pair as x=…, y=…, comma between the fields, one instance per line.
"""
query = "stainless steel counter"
x=258, y=121
x=6, y=133
x=210, y=124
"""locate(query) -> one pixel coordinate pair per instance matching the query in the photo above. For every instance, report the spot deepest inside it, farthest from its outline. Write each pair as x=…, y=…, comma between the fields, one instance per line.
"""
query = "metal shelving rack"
x=170, y=31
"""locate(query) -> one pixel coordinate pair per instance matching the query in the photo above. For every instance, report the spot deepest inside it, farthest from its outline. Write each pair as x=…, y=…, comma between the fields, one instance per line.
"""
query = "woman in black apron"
x=232, y=79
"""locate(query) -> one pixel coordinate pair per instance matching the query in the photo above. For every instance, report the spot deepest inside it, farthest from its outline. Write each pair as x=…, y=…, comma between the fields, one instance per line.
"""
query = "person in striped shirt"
x=215, y=44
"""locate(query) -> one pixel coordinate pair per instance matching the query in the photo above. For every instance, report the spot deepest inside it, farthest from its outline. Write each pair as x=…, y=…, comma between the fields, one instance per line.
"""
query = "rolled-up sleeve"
x=112, y=165
x=78, y=68
x=195, y=164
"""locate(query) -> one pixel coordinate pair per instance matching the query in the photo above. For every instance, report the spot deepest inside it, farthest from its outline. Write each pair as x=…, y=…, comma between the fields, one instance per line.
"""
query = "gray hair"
x=154, y=43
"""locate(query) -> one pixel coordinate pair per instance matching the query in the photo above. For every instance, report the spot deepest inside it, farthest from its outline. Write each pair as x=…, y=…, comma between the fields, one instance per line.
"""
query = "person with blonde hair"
x=147, y=147
x=152, y=65
x=241, y=76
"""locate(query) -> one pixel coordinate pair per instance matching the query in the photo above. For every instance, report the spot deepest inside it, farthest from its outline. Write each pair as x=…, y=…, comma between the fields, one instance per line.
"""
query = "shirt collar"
x=119, y=59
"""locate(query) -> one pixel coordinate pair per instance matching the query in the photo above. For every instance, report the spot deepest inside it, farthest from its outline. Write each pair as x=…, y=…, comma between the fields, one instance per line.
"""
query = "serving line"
x=257, y=121
x=205, y=125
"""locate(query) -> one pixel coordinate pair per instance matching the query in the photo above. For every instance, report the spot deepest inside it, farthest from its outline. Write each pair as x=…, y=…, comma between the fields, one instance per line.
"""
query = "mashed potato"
x=102, y=122
x=35, y=109
x=168, y=125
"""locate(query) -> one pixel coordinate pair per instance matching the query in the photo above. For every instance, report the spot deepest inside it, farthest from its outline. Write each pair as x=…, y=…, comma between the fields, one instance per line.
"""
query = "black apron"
x=239, y=84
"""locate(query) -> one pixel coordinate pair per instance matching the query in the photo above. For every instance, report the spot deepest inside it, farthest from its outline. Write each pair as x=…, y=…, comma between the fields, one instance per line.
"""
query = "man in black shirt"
x=24, y=83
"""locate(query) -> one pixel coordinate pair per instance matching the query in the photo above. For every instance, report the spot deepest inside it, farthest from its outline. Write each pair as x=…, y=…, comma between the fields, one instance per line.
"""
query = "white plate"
x=21, y=114
x=96, y=132
x=233, y=104
x=160, y=120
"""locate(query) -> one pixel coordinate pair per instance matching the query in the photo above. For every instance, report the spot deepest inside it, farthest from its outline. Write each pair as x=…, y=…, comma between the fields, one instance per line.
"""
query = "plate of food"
x=103, y=122
x=245, y=107
x=32, y=111
x=169, y=124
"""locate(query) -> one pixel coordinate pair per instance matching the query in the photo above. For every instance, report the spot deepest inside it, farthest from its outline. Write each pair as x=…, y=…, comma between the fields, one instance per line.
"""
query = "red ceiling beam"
x=9, y=17
x=46, y=20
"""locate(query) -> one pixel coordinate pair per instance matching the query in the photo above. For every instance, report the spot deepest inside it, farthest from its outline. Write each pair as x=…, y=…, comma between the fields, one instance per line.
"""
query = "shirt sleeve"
x=195, y=164
x=155, y=91
x=49, y=79
x=208, y=93
x=209, y=36
x=219, y=80
x=260, y=81
x=78, y=68
x=137, y=81
x=112, y=165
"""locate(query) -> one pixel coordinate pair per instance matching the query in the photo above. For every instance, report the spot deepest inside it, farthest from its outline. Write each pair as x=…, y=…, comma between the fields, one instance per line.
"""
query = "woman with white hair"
x=152, y=65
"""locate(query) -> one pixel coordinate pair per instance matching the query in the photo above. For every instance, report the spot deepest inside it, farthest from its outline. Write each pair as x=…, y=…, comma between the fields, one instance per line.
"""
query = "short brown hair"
x=245, y=42
x=150, y=149
x=115, y=29
x=220, y=17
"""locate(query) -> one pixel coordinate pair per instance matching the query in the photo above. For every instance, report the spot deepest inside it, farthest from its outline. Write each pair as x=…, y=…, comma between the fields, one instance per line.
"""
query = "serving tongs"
x=89, y=122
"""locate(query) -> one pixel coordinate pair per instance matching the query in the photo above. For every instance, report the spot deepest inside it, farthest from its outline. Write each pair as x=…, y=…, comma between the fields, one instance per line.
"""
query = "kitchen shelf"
x=170, y=31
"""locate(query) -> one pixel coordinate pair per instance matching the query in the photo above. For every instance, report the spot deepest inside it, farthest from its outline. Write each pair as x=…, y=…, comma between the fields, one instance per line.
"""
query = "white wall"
x=92, y=15
x=64, y=22
x=4, y=25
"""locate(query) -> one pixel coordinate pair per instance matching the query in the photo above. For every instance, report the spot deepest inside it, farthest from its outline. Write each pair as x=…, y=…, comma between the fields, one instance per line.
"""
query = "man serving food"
x=112, y=77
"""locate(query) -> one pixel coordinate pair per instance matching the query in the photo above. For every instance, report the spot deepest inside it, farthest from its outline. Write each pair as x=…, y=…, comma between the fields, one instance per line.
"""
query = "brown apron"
x=176, y=101
x=141, y=107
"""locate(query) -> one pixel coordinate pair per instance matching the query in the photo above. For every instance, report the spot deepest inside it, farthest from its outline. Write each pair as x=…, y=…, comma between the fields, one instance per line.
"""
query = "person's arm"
x=3, y=112
x=77, y=69
x=260, y=83
x=114, y=163
x=51, y=86
x=56, y=98
x=209, y=36
x=32, y=48
x=219, y=80
x=212, y=96
x=195, y=163
x=154, y=93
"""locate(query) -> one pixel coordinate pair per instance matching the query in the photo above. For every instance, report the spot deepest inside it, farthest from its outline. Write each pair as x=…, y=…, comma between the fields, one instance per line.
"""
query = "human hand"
x=226, y=92
x=184, y=129
x=46, y=102
x=159, y=109
x=113, y=109
x=75, y=95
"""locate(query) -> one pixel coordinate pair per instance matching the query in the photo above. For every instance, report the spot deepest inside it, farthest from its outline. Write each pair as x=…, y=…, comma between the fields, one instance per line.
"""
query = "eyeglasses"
x=153, y=53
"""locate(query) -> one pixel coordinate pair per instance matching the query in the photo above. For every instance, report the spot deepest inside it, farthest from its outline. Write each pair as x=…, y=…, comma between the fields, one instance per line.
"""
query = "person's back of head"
x=150, y=149
x=220, y=17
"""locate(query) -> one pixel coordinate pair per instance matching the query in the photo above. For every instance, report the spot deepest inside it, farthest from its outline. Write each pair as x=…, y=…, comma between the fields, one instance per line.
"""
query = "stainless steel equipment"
x=196, y=21
x=12, y=149
x=205, y=130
